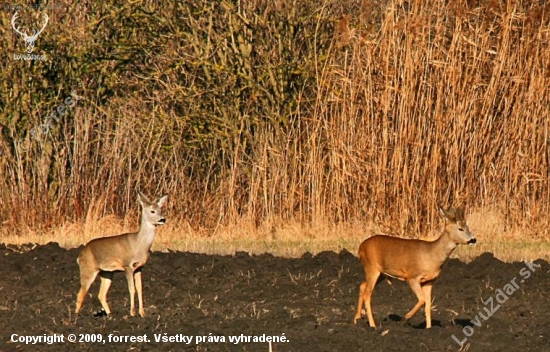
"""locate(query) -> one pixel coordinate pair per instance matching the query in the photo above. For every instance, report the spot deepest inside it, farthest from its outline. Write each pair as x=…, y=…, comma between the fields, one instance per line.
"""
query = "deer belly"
x=111, y=267
x=395, y=276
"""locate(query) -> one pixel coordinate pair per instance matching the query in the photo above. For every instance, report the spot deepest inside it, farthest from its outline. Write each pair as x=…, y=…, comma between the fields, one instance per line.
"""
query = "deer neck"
x=443, y=247
x=146, y=234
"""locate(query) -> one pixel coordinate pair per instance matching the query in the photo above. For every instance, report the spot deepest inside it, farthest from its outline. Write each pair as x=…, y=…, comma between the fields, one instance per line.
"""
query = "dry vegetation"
x=281, y=126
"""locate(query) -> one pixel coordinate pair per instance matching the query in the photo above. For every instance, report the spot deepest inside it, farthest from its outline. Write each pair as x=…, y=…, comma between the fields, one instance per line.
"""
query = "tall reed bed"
x=272, y=111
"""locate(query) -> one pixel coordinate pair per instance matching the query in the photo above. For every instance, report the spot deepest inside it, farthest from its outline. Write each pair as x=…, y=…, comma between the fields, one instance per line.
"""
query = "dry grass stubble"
x=292, y=238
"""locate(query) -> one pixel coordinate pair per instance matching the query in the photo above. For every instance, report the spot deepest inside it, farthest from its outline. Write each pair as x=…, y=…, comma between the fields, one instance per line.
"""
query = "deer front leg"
x=137, y=278
x=131, y=288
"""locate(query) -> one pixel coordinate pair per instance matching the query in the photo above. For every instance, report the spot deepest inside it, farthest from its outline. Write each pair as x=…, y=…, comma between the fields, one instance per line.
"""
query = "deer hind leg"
x=87, y=277
x=417, y=289
x=137, y=278
x=131, y=288
x=371, y=283
x=106, y=279
x=427, y=290
x=366, y=293
x=360, y=302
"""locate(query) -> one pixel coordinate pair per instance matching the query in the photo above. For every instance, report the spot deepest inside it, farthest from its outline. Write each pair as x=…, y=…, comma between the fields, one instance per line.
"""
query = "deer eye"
x=460, y=229
x=152, y=211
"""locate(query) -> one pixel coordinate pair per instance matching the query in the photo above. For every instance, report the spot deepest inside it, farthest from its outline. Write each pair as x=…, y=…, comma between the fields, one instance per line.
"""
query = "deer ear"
x=449, y=214
x=142, y=199
x=161, y=200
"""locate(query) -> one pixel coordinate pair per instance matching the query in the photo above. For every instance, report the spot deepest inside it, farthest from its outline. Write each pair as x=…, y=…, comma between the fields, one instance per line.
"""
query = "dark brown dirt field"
x=311, y=300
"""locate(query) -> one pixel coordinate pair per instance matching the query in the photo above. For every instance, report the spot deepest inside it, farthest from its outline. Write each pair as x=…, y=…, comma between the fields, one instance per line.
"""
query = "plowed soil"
x=311, y=300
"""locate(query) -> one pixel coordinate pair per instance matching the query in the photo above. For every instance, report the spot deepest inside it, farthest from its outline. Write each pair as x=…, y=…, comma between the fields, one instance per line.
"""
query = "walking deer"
x=416, y=261
x=127, y=252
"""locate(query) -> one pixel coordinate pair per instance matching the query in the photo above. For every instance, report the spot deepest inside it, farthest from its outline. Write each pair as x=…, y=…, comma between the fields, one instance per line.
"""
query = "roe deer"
x=416, y=261
x=127, y=252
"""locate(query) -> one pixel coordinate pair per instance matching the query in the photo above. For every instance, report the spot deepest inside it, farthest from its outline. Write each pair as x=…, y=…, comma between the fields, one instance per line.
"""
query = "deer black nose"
x=472, y=241
x=162, y=221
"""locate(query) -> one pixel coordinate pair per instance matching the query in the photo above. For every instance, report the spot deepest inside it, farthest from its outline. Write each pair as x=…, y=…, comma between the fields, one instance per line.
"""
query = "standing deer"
x=416, y=261
x=127, y=252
